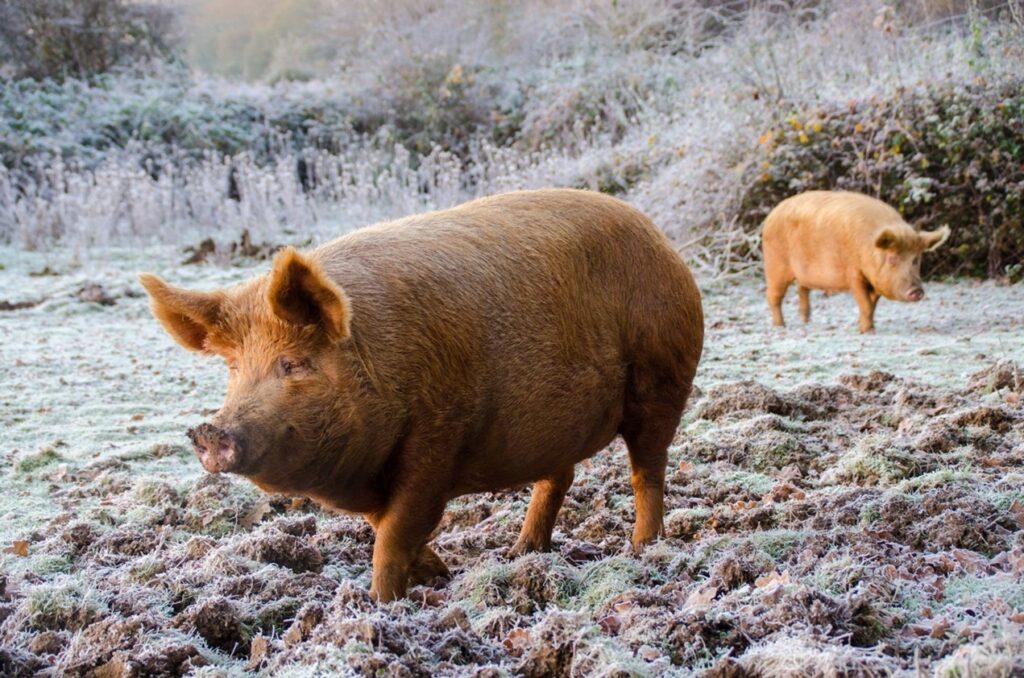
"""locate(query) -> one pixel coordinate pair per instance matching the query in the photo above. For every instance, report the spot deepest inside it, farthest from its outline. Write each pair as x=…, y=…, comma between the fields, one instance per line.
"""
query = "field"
x=838, y=504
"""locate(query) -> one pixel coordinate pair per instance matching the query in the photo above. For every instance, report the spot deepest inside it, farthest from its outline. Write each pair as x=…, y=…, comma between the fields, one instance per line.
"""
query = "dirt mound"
x=287, y=550
x=218, y=620
x=742, y=397
x=1005, y=374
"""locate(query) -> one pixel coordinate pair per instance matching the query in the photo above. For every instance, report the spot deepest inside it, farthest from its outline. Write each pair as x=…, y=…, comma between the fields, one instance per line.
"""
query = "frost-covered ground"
x=838, y=504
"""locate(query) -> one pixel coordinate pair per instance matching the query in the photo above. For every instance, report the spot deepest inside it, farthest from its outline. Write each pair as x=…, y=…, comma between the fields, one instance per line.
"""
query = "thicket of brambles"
x=704, y=113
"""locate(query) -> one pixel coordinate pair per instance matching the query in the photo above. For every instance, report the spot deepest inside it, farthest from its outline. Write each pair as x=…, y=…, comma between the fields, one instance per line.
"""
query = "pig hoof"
x=427, y=568
x=639, y=544
x=524, y=546
x=383, y=596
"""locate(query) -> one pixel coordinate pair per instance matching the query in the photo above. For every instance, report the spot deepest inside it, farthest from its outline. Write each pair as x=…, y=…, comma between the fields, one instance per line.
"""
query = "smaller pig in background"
x=840, y=241
x=467, y=350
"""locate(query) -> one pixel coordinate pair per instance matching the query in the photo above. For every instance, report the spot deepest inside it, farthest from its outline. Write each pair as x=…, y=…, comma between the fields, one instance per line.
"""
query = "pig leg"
x=402, y=531
x=777, y=287
x=805, y=303
x=866, y=301
x=426, y=567
x=548, y=494
x=648, y=439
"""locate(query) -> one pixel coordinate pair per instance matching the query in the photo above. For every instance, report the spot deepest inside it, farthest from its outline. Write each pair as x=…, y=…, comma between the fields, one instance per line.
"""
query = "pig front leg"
x=400, y=550
x=867, y=299
x=427, y=565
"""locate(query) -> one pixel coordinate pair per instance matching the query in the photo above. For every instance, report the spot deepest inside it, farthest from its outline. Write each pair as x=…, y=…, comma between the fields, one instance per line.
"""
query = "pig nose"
x=916, y=294
x=216, y=448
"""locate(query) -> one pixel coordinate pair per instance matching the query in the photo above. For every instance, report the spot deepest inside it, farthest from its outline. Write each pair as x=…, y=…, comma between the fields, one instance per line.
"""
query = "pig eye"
x=290, y=367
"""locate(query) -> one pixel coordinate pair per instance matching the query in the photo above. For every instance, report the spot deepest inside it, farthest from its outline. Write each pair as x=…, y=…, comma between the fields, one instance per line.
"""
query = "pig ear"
x=886, y=240
x=932, y=239
x=300, y=293
x=187, y=315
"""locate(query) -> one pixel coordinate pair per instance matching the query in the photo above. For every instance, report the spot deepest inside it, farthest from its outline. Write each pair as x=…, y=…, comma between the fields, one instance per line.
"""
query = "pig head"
x=896, y=273
x=285, y=338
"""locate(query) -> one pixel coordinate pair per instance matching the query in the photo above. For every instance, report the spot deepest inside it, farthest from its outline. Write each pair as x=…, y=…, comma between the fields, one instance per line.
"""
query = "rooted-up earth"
x=837, y=504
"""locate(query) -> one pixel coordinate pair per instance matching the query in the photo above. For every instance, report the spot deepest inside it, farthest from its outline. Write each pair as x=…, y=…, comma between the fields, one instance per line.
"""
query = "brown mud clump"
x=217, y=620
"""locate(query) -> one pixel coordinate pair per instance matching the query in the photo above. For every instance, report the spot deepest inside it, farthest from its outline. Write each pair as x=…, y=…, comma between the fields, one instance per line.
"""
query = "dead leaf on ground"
x=517, y=640
x=935, y=586
x=1016, y=510
x=428, y=597
x=772, y=578
x=702, y=596
x=784, y=492
x=971, y=561
x=255, y=514
x=259, y=650
x=917, y=630
x=939, y=628
x=18, y=548
x=610, y=624
x=648, y=653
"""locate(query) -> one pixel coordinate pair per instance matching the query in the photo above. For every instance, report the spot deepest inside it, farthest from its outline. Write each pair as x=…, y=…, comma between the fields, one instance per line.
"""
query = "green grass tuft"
x=41, y=459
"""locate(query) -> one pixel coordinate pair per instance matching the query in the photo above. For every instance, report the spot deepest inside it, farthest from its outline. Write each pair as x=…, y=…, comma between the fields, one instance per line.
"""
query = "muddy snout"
x=218, y=450
x=915, y=294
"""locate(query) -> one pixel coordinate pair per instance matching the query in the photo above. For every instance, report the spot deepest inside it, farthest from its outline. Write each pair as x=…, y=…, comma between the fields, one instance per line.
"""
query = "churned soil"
x=862, y=518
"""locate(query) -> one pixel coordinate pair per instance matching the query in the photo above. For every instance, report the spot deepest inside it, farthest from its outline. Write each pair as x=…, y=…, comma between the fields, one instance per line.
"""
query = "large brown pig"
x=466, y=350
x=841, y=241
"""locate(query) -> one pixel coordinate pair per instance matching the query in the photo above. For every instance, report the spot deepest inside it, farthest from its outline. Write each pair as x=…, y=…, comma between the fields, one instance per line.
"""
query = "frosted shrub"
x=661, y=103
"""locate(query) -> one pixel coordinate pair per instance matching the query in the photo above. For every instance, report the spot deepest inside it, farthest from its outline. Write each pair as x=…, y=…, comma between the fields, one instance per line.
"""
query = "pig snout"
x=915, y=294
x=218, y=450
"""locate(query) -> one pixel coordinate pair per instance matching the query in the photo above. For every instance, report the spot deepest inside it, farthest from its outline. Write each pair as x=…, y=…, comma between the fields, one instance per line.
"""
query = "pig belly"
x=522, y=447
x=828, y=273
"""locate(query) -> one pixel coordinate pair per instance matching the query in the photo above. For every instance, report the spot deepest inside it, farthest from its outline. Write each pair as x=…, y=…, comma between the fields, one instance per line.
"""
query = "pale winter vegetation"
x=837, y=505
x=675, y=106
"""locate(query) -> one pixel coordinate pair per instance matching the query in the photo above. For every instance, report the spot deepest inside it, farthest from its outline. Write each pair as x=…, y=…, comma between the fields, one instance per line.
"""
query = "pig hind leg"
x=805, y=303
x=777, y=284
x=777, y=277
x=548, y=494
x=648, y=429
